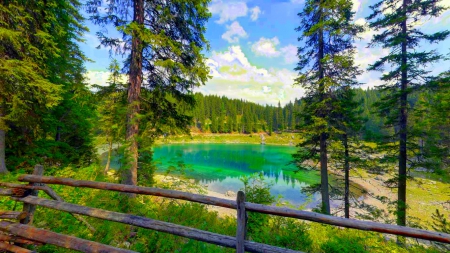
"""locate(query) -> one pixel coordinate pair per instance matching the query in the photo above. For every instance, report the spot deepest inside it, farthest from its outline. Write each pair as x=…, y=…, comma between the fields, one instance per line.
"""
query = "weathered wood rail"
x=25, y=233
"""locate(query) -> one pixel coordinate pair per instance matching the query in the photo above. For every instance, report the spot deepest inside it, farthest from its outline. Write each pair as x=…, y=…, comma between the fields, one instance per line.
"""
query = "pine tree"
x=397, y=22
x=328, y=33
x=166, y=40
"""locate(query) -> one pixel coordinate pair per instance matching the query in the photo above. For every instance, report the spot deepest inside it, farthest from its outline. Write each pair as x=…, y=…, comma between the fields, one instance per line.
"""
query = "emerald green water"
x=219, y=166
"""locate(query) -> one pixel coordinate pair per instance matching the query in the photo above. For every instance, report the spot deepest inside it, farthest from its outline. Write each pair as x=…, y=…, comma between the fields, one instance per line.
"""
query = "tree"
x=40, y=64
x=111, y=109
x=397, y=22
x=432, y=125
x=164, y=40
x=280, y=118
x=348, y=121
x=327, y=31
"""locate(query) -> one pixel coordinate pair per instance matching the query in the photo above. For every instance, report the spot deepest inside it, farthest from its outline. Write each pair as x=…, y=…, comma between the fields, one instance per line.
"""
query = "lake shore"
x=419, y=206
x=284, y=139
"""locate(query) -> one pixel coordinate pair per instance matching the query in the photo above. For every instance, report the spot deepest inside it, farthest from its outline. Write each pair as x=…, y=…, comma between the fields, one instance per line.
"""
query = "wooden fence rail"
x=64, y=241
x=252, y=207
x=192, y=233
x=27, y=195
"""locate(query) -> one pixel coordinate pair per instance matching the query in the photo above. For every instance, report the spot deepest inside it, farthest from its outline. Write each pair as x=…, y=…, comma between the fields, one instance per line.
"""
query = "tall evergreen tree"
x=348, y=121
x=397, y=21
x=40, y=64
x=328, y=33
x=164, y=40
x=111, y=110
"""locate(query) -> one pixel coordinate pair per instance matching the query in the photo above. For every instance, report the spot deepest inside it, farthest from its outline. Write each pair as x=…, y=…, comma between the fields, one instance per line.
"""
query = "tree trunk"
x=108, y=162
x=401, y=200
x=58, y=133
x=323, y=135
x=134, y=90
x=3, y=169
x=347, y=178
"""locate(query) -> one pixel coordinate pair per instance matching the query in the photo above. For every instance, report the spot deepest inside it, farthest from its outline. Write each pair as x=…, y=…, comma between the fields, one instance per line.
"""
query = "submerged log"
x=192, y=233
x=12, y=215
x=64, y=241
x=13, y=248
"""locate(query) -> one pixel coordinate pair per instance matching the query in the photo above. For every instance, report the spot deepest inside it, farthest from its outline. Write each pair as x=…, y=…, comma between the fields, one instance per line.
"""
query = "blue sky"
x=253, y=49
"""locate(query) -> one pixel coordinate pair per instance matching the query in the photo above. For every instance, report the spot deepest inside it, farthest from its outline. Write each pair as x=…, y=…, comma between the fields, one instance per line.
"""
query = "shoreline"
x=222, y=211
x=373, y=184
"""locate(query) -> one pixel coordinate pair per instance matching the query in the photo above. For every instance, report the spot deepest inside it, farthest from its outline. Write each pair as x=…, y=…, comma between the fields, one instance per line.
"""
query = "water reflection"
x=219, y=166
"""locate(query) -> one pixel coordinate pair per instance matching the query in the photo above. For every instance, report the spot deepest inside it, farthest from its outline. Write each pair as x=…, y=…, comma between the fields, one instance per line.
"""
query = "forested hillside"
x=217, y=114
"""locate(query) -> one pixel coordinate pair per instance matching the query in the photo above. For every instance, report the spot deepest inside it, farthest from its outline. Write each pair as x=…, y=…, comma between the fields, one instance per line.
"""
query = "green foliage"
x=278, y=231
x=325, y=66
x=43, y=95
x=395, y=21
x=257, y=190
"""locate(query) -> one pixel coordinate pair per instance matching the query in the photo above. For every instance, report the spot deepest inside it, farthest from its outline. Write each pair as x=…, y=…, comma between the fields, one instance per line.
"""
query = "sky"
x=253, y=47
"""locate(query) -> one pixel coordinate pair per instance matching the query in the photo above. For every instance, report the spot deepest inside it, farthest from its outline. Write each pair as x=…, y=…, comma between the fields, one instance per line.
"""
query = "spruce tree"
x=432, y=125
x=347, y=120
x=39, y=60
x=397, y=21
x=327, y=33
x=163, y=43
x=111, y=110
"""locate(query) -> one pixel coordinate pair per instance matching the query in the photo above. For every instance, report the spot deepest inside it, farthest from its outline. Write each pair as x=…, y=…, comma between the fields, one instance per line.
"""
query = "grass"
x=283, y=232
x=424, y=196
x=274, y=139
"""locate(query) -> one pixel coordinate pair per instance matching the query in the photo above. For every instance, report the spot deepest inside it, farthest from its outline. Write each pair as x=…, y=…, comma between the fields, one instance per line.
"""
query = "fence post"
x=28, y=208
x=241, y=231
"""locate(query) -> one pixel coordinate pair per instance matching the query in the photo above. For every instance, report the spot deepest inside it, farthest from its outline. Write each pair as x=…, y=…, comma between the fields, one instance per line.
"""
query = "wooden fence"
x=19, y=234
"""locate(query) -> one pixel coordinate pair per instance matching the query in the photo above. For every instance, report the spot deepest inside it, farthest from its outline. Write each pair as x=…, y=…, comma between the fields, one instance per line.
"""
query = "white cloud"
x=235, y=77
x=266, y=47
x=289, y=53
x=356, y=5
x=255, y=13
x=101, y=77
x=297, y=1
x=234, y=32
x=368, y=33
x=228, y=10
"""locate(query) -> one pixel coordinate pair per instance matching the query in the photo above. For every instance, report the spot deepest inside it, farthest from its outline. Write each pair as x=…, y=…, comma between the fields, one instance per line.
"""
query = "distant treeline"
x=217, y=114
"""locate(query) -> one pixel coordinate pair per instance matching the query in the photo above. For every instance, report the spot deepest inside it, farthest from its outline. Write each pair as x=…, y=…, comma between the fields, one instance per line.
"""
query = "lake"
x=219, y=167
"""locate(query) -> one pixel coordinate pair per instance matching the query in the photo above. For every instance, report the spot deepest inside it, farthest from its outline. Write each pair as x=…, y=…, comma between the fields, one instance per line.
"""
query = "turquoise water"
x=219, y=166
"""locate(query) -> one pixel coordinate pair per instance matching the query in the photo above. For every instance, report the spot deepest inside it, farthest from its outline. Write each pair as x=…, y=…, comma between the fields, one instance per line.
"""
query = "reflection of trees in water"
x=277, y=176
